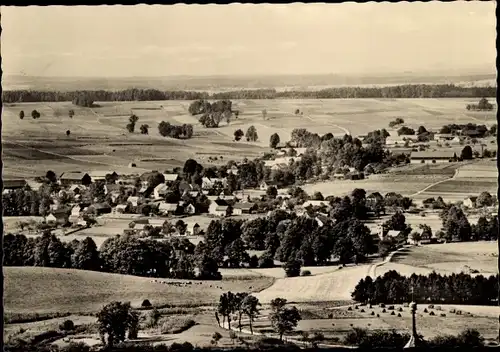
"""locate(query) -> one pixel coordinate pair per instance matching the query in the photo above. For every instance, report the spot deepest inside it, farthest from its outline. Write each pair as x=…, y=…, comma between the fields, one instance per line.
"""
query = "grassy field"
x=451, y=257
x=99, y=140
x=43, y=290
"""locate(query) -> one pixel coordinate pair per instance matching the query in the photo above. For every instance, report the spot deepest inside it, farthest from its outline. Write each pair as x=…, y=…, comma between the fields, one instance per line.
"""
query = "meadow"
x=99, y=140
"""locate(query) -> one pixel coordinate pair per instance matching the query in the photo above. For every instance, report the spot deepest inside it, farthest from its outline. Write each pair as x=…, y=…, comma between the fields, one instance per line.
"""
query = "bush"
x=146, y=303
x=400, y=309
x=253, y=262
x=349, y=309
x=305, y=273
x=67, y=325
x=391, y=308
x=378, y=315
x=432, y=313
x=443, y=314
x=362, y=310
x=181, y=347
x=355, y=337
x=382, y=305
x=372, y=313
x=292, y=268
x=383, y=310
x=356, y=307
x=438, y=308
x=425, y=310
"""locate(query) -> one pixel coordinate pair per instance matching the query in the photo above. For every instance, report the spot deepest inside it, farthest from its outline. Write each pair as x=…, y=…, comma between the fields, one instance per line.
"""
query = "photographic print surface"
x=222, y=176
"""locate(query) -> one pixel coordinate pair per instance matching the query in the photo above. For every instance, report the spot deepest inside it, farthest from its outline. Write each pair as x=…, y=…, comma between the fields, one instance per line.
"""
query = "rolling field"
x=44, y=290
x=99, y=140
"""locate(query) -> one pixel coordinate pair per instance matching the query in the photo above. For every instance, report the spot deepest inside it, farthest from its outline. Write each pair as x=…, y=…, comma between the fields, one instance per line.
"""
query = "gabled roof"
x=14, y=183
x=472, y=198
x=161, y=187
x=245, y=205
x=168, y=206
x=60, y=214
x=221, y=208
x=112, y=187
x=434, y=155
x=73, y=175
x=133, y=199
x=170, y=177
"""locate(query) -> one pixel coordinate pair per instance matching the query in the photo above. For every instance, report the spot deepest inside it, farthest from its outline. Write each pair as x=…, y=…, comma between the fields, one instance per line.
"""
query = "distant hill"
x=223, y=83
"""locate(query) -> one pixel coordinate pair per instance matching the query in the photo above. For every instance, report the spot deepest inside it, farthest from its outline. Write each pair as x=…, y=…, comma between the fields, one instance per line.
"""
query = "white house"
x=167, y=208
x=264, y=185
x=120, y=208
x=208, y=183
x=189, y=209
x=160, y=191
x=470, y=202
x=134, y=200
x=218, y=207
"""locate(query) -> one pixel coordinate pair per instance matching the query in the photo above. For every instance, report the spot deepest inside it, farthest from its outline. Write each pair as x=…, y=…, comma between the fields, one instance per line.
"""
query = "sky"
x=246, y=39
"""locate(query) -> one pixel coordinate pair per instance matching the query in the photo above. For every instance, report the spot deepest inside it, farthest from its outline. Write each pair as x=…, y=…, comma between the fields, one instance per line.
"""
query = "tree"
x=21, y=114
x=250, y=307
x=114, y=320
x=251, y=134
x=484, y=200
x=238, y=134
x=68, y=132
x=144, y=129
x=226, y=307
x=35, y=114
x=466, y=153
x=181, y=227
x=274, y=140
x=292, y=268
x=264, y=114
x=86, y=256
x=271, y=192
x=238, y=304
x=51, y=176
x=71, y=113
x=283, y=319
x=131, y=125
x=455, y=224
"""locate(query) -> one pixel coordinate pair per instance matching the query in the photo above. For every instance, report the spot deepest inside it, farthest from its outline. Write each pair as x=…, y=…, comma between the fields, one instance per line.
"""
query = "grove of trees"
x=433, y=288
x=184, y=131
x=483, y=104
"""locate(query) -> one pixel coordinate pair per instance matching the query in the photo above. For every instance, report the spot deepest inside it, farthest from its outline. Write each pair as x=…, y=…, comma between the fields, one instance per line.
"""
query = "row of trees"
x=180, y=132
x=173, y=258
x=480, y=130
x=433, y=288
x=401, y=91
x=483, y=104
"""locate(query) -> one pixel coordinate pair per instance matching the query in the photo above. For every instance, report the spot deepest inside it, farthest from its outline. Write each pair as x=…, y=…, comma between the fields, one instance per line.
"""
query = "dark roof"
x=221, y=202
x=244, y=205
x=73, y=175
x=433, y=155
x=9, y=184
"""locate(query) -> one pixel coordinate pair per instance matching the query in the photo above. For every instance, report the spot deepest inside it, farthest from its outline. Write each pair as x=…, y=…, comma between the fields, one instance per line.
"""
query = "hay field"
x=44, y=290
x=96, y=132
x=451, y=257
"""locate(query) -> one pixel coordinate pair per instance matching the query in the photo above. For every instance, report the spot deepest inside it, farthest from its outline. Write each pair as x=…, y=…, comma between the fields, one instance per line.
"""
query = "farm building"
x=189, y=209
x=433, y=157
x=112, y=176
x=160, y=191
x=393, y=141
x=209, y=183
x=156, y=222
x=100, y=208
x=11, y=185
x=218, y=207
x=60, y=217
x=264, y=185
x=111, y=188
x=78, y=189
x=443, y=137
x=165, y=208
x=233, y=171
x=244, y=208
x=134, y=200
x=120, y=208
x=193, y=194
x=75, y=178
x=169, y=178
x=316, y=203
x=470, y=202
x=339, y=176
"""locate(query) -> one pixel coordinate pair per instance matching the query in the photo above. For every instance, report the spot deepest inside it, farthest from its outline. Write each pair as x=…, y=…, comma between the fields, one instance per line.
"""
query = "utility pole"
x=413, y=342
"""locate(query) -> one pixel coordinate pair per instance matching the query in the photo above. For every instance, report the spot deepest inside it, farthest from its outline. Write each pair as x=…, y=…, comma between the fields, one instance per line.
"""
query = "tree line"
x=433, y=288
x=398, y=91
x=174, y=258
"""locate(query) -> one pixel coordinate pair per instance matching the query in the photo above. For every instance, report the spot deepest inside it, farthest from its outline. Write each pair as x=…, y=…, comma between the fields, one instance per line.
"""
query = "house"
x=264, y=185
x=58, y=217
x=189, y=209
x=156, y=222
x=193, y=229
x=244, y=208
x=165, y=208
x=34, y=185
x=393, y=233
x=218, y=207
x=120, y=208
x=134, y=200
x=209, y=183
x=160, y=191
x=321, y=220
x=101, y=175
x=395, y=141
x=77, y=210
x=286, y=205
x=13, y=184
x=170, y=178
x=433, y=157
x=75, y=178
x=470, y=202
x=111, y=188
x=316, y=203
x=443, y=137
x=78, y=189
x=100, y=208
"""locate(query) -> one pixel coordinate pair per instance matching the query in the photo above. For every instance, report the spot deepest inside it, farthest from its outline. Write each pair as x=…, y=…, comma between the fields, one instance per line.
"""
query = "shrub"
x=76, y=347
x=390, y=308
x=356, y=307
x=349, y=309
x=378, y=315
x=305, y=273
x=425, y=310
x=400, y=309
x=372, y=313
x=383, y=310
x=355, y=337
x=67, y=325
x=443, y=314
x=362, y=310
x=382, y=305
x=146, y=303
x=452, y=310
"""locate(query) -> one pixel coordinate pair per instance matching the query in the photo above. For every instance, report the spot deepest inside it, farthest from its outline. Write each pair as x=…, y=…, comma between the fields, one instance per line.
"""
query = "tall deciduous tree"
x=283, y=319
x=274, y=140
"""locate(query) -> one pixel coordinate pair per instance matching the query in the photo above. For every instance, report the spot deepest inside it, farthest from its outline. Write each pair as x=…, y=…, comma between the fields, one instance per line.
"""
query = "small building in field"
x=58, y=217
x=470, y=202
x=244, y=208
x=433, y=157
x=75, y=178
x=13, y=184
